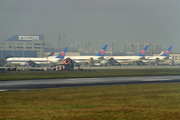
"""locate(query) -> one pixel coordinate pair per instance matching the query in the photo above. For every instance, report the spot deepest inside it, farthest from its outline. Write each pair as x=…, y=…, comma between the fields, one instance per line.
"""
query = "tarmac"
x=82, y=82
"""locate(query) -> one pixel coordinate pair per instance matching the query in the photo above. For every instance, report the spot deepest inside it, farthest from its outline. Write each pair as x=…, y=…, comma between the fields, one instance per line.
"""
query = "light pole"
x=89, y=47
x=112, y=48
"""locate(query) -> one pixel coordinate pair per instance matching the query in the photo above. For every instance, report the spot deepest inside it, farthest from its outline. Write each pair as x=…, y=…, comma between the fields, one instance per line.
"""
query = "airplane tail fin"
x=102, y=51
x=62, y=54
x=167, y=52
x=51, y=54
x=143, y=51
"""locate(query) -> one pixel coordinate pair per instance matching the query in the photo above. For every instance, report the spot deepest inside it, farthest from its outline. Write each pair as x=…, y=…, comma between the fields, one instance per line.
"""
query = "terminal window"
x=13, y=47
x=3, y=43
x=37, y=47
x=37, y=43
x=28, y=47
x=20, y=43
x=20, y=47
x=3, y=47
x=11, y=43
x=28, y=43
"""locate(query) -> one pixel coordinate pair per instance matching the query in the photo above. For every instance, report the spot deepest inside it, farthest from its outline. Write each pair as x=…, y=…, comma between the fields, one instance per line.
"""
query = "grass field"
x=123, y=102
x=11, y=75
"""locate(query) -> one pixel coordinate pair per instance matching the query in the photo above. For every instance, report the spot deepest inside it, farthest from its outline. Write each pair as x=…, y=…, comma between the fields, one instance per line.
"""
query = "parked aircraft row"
x=99, y=58
x=160, y=58
x=46, y=60
x=140, y=57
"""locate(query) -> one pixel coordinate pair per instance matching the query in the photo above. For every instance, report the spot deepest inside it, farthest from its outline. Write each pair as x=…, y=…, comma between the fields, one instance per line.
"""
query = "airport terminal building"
x=22, y=46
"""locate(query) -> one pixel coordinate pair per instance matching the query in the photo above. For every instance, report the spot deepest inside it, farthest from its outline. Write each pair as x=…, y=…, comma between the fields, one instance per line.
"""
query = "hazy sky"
x=95, y=21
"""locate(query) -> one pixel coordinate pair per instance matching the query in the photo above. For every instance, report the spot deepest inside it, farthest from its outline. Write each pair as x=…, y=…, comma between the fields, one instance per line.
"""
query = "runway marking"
x=156, y=79
x=72, y=79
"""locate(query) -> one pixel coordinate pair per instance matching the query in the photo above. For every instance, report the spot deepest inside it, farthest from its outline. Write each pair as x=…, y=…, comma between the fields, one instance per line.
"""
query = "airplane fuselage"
x=22, y=60
x=125, y=59
x=153, y=59
x=82, y=59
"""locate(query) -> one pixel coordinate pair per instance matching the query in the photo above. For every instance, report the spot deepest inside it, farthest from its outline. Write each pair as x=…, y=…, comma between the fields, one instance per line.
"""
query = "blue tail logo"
x=102, y=51
x=167, y=52
x=62, y=54
x=143, y=51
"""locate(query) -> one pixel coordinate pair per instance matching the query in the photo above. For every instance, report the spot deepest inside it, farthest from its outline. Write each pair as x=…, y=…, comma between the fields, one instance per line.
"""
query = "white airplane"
x=89, y=59
x=155, y=59
x=25, y=60
x=126, y=59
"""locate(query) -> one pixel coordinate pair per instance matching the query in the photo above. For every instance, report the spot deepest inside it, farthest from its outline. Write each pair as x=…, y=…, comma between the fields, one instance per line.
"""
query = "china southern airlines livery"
x=24, y=60
x=88, y=59
x=128, y=59
x=155, y=59
x=59, y=57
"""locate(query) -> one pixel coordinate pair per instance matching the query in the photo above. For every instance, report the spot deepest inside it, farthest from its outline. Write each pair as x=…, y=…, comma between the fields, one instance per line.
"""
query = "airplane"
x=126, y=59
x=155, y=59
x=89, y=59
x=51, y=54
x=25, y=60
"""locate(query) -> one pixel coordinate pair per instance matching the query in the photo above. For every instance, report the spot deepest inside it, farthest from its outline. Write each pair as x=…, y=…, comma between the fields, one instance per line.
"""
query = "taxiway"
x=81, y=82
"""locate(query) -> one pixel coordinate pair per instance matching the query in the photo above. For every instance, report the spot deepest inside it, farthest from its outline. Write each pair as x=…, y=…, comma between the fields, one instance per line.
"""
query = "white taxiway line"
x=3, y=90
x=155, y=79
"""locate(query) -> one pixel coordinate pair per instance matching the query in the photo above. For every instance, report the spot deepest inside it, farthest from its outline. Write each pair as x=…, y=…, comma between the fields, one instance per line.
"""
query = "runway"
x=81, y=82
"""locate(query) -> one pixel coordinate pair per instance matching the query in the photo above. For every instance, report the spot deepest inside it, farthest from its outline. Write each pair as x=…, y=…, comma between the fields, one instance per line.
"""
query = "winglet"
x=143, y=51
x=167, y=52
x=62, y=54
x=102, y=51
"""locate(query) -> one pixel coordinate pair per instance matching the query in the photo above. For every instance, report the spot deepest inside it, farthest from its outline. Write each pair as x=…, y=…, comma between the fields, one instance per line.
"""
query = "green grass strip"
x=21, y=75
x=123, y=102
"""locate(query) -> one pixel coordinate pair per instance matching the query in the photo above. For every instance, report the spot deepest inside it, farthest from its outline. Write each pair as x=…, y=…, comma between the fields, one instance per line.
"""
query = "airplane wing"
x=110, y=60
x=99, y=59
x=31, y=63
